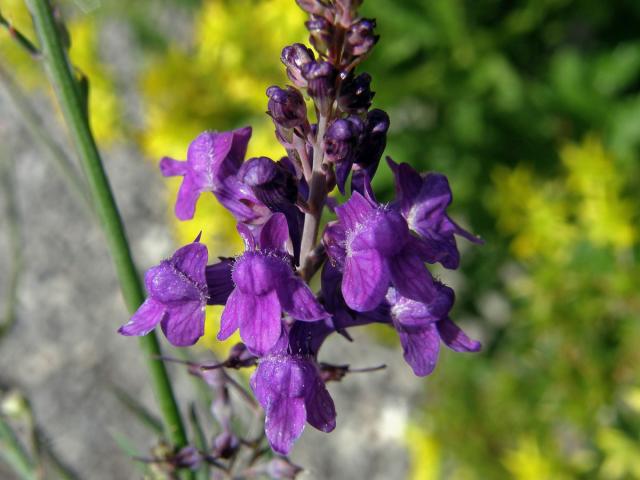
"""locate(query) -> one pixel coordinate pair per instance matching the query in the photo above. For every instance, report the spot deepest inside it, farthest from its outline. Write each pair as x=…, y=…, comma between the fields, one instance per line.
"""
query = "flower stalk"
x=73, y=106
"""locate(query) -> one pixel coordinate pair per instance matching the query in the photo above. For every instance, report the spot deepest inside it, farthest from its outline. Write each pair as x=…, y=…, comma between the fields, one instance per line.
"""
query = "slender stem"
x=14, y=453
x=317, y=193
x=21, y=39
x=72, y=105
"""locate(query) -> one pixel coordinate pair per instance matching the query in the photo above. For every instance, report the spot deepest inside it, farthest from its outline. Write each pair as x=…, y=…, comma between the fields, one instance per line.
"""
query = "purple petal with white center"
x=275, y=233
x=230, y=319
x=354, y=212
x=408, y=184
x=219, y=281
x=386, y=231
x=171, y=167
x=260, y=322
x=455, y=338
x=410, y=277
x=148, y=315
x=365, y=280
x=188, y=195
x=184, y=324
x=421, y=346
x=298, y=300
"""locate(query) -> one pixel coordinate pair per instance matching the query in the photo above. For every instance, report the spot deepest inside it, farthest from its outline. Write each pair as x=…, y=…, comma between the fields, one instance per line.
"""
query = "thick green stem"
x=72, y=106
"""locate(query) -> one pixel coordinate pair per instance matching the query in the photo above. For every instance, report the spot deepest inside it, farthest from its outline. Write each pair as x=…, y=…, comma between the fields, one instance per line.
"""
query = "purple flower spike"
x=266, y=286
x=213, y=160
x=423, y=201
x=177, y=298
x=378, y=250
x=421, y=327
x=288, y=386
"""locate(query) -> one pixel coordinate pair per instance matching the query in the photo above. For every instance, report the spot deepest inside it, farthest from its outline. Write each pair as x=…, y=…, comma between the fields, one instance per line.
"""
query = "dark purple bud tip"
x=286, y=106
x=342, y=138
x=321, y=80
x=321, y=34
x=295, y=57
x=360, y=37
x=225, y=445
x=316, y=7
x=375, y=139
x=355, y=94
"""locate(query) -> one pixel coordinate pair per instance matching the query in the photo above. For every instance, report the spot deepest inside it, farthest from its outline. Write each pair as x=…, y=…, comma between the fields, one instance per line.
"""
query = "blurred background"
x=532, y=109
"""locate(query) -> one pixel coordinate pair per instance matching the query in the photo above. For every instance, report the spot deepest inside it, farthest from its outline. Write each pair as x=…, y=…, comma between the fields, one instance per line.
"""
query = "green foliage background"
x=532, y=108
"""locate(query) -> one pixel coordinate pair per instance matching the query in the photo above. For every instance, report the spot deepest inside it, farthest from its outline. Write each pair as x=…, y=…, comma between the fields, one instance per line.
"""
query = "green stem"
x=14, y=453
x=72, y=106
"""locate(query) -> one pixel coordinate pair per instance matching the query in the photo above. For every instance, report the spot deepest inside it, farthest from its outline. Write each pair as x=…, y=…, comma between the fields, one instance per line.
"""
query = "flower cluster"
x=373, y=257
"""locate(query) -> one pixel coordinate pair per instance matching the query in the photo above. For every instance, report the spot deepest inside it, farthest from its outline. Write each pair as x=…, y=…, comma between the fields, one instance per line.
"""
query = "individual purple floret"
x=287, y=384
x=178, y=295
x=213, y=160
x=373, y=245
x=421, y=327
x=266, y=286
x=423, y=201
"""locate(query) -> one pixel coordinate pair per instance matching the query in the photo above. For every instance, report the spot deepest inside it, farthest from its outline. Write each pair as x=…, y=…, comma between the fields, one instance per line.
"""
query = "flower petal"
x=421, y=346
x=172, y=168
x=408, y=184
x=191, y=260
x=354, y=212
x=365, y=280
x=168, y=285
x=321, y=411
x=230, y=319
x=284, y=423
x=411, y=277
x=454, y=338
x=260, y=322
x=298, y=300
x=275, y=233
x=148, y=315
x=187, y=198
x=184, y=324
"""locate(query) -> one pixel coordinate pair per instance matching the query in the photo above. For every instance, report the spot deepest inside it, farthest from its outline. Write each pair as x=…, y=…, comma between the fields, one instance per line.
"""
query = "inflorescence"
x=372, y=258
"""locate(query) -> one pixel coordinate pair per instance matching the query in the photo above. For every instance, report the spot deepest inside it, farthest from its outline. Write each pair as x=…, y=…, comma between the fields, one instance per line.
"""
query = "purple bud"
x=281, y=468
x=342, y=138
x=321, y=79
x=271, y=183
x=360, y=37
x=316, y=7
x=321, y=34
x=355, y=94
x=346, y=11
x=295, y=57
x=286, y=106
x=187, y=457
x=375, y=141
x=225, y=445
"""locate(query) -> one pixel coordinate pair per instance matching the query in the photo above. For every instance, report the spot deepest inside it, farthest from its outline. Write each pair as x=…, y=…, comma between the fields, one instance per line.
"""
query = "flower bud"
x=321, y=34
x=355, y=94
x=342, y=139
x=321, y=80
x=360, y=37
x=225, y=445
x=281, y=468
x=286, y=106
x=187, y=457
x=316, y=7
x=295, y=57
x=375, y=138
x=271, y=183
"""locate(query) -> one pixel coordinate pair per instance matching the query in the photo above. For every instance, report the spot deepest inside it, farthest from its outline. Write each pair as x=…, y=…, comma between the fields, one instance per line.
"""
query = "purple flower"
x=288, y=386
x=266, y=286
x=178, y=295
x=295, y=57
x=423, y=201
x=213, y=160
x=421, y=327
x=373, y=245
